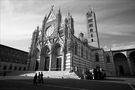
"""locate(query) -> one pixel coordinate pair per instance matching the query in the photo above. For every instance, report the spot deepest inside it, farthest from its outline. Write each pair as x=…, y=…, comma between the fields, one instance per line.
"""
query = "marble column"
x=113, y=65
x=38, y=59
x=62, y=62
x=50, y=62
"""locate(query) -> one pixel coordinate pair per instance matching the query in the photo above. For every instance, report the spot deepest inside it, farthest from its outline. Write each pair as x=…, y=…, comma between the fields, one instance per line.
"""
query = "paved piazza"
x=8, y=83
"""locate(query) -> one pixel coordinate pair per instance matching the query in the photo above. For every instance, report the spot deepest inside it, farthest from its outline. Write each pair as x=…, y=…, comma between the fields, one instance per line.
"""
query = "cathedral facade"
x=54, y=46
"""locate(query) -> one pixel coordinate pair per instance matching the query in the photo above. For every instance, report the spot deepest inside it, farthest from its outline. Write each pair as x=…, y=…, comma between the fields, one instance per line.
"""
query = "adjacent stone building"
x=12, y=59
x=120, y=62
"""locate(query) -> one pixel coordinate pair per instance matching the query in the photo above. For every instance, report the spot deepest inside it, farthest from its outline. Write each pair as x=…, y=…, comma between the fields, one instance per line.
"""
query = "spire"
x=38, y=28
x=68, y=14
x=59, y=16
x=59, y=11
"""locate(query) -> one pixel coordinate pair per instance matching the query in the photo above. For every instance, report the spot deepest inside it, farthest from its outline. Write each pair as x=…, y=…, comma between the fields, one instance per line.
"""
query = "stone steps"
x=47, y=74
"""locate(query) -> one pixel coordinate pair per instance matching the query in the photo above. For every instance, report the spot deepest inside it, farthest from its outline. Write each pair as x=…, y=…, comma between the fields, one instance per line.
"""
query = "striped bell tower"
x=93, y=39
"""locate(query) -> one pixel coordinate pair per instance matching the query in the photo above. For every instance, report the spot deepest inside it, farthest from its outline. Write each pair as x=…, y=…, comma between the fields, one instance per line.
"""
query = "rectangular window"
x=97, y=57
x=82, y=51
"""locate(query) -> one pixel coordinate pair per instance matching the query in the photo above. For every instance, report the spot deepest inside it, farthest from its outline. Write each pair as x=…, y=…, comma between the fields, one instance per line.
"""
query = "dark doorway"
x=46, y=68
x=121, y=65
x=37, y=65
x=58, y=64
x=121, y=70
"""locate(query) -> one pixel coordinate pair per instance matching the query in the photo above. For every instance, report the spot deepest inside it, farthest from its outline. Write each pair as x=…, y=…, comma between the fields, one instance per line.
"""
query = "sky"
x=115, y=20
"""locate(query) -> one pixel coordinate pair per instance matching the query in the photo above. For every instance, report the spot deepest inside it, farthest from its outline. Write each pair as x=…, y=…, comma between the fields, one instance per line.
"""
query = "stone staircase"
x=47, y=74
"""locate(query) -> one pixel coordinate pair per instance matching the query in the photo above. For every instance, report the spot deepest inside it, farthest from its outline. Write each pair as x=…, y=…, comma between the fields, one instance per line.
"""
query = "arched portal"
x=36, y=54
x=121, y=64
x=36, y=65
x=132, y=60
x=45, y=58
x=56, y=57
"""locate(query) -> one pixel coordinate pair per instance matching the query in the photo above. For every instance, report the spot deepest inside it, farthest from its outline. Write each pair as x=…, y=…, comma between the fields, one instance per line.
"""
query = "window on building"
x=15, y=68
x=89, y=14
x=10, y=67
x=75, y=47
x=24, y=68
x=92, y=40
x=20, y=68
x=91, y=30
x=90, y=20
x=5, y=67
x=81, y=51
x=97, y=57
x=108, y=58
x=91, y=35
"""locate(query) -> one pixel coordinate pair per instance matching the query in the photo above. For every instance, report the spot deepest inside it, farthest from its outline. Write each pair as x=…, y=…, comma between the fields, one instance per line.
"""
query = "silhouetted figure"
x=41, y=77
x=35, y=79
x=95, y=73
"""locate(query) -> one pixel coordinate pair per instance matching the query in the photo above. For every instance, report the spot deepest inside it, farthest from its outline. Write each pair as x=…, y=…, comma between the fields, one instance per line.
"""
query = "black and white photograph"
x=67, y=44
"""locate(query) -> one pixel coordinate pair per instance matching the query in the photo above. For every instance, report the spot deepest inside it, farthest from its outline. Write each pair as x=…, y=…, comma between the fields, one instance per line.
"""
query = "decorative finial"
x=37, y=27
x=52, y=7
x=68, y=13
x=59, y=10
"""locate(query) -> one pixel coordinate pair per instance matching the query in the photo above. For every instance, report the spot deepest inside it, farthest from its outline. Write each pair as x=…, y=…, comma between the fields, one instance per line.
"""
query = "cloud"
x=21, y=44
x=120, y=46
x=123, y=46
x=115, y=18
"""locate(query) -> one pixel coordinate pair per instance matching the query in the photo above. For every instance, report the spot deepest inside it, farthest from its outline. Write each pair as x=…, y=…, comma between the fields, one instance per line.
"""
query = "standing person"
x=35, y=79
x=39, y=77
x=42, y=79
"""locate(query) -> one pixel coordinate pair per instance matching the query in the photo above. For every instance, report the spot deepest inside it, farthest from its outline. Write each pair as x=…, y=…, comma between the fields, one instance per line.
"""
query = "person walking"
x=35, y=79
x=41, y=77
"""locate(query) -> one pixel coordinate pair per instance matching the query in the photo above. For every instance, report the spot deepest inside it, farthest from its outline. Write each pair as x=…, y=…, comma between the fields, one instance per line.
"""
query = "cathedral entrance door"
x=58, y=64
x=37, y=65
x=121, y=70
x=46, y=67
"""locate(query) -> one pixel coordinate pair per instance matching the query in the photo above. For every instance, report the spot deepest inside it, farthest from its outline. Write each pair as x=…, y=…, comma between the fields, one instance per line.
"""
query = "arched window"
x=81, y=51
x=91, y=30
x=107, y=58
x=92, y=40
x=75, y=47
x=91, y=35
x=15, y=68
x=97, y=57
x=5, y=67
x=10, y=67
